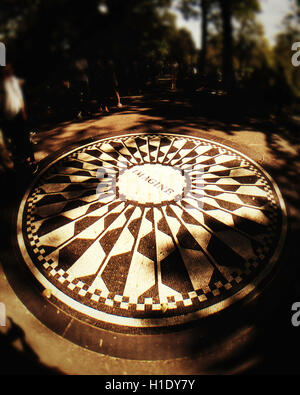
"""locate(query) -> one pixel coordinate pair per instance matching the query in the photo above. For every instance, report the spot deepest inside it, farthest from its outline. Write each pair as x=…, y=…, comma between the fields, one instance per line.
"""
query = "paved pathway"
x=275, y=148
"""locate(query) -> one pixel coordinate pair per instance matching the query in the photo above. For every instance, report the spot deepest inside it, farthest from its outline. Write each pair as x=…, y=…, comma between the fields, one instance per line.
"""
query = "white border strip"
x=161, y=322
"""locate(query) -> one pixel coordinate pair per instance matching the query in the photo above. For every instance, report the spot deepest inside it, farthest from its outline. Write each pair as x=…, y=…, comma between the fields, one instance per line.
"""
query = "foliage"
x=282, y=49
x=44, y=34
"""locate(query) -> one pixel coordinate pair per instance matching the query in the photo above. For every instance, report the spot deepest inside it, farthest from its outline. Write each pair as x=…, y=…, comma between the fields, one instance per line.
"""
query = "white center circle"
x=151, y=183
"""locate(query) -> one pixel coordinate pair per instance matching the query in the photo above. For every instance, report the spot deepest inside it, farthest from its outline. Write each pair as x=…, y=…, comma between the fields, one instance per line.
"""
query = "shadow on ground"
x=17, y=357
x=274, y=346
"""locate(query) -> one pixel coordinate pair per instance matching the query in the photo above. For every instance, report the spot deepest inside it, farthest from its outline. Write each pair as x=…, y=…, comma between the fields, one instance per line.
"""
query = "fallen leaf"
x=47, y=293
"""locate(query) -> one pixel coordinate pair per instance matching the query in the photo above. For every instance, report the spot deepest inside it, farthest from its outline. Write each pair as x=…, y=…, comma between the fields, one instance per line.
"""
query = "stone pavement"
x=273, y=145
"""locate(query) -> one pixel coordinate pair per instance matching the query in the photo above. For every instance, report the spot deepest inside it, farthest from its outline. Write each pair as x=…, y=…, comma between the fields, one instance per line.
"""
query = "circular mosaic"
x=151, y=230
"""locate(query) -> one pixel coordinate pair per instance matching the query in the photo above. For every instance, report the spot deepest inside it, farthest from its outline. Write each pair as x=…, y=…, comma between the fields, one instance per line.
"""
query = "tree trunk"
x=202, y=57
x=228, y=72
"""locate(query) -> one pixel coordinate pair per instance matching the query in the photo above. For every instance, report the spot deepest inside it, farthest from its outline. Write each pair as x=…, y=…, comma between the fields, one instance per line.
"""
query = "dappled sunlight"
x=150, y=185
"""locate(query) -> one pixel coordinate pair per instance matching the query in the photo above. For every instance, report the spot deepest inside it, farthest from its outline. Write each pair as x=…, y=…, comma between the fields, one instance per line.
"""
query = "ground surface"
x=247, y=345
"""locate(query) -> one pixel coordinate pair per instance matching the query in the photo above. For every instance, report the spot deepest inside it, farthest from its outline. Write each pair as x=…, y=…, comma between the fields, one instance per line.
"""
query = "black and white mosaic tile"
x=151, y=230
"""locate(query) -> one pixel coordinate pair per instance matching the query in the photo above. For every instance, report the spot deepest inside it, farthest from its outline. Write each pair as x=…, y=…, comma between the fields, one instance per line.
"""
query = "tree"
x=252, y=50
x=227, y=63
x=282, y=51
x=181, y=47
x=203, y=54
x=231, y=9
x=195, y=9
x=40, y=33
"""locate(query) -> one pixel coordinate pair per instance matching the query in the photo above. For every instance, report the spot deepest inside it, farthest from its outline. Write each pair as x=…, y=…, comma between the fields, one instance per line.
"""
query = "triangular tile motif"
x=179, y=225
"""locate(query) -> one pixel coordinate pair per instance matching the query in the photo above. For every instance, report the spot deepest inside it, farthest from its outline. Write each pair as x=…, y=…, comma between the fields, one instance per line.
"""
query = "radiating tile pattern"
x=169, y=225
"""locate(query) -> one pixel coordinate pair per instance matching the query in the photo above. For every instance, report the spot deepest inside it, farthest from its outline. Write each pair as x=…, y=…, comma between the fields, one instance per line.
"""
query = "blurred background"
x=207, y=49
x=222, y=66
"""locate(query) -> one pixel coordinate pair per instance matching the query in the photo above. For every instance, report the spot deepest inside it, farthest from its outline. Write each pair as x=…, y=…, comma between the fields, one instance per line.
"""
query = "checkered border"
x=163, y=304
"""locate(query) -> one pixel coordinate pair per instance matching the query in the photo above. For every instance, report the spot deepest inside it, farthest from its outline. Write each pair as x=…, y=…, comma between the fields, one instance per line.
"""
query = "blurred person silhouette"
x=135, y=78
x=14, y=120
x=106, y=84
x=174, y=75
